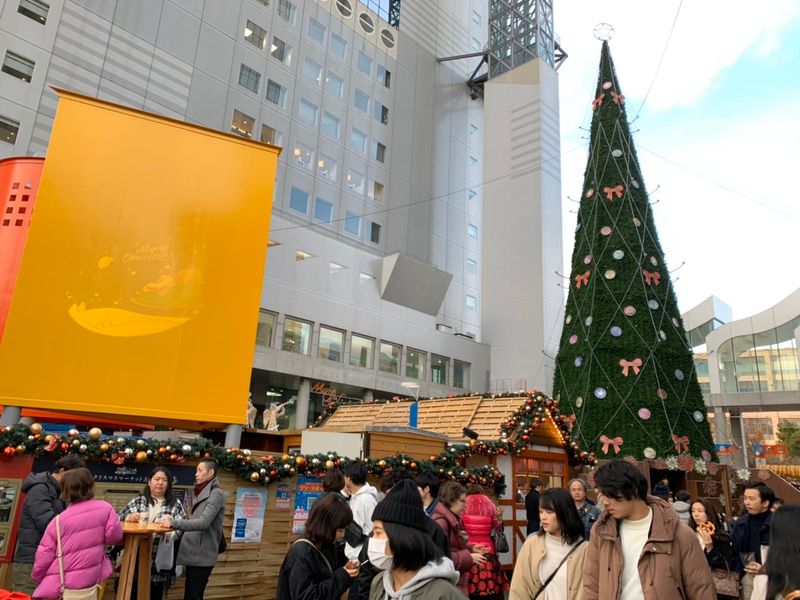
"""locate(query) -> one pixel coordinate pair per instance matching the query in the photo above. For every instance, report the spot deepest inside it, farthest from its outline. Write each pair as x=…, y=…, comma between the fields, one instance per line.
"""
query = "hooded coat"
x=41, y=504
x=683, y=509
x=672, y=565
x=362, y=503
x=434, y=581
x=460, y=550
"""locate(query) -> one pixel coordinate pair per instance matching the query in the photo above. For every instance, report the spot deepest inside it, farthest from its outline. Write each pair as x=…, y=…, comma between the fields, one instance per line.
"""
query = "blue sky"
x=718, y=138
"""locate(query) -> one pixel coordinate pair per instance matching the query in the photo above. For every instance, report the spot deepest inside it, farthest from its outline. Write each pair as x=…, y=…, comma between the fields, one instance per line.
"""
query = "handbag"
x=499, y=540
x=165, y=554
x=726, y=582
x=89, y=593
x=553, y=574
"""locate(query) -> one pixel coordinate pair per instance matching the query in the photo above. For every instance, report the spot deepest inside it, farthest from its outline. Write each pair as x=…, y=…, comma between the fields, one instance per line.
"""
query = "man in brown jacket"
x=639, y=550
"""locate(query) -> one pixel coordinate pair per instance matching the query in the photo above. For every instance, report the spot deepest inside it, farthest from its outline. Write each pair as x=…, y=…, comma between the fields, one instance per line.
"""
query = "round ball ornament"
x=698, y=416
x=662, y=335
x=605, y=230
x=128, y=452
x=635, y=184
x=644, y=414
x=661, y=393
x=629, y=311
x=20, y=450
x=637, y=222
x=76, y=443
x=588, y=321
x=9, y=452
x=255, y=476
x=679, y=375
x=610, y=274
x=578, y=361
x=618, y=254
x=616, y=153
x=607, y=85
x=600, y=393
x=83, y=448
x=568, y=319
x=589, y=193
x=653, y=304
x=615, y=331
x=141, y=457
x=95, y=433
x=578, y=401
x=573, y=339
x=36, y=428
x=186, y=449
x=72, y=433
x=329, y=464
x=649, y=453
x=141, y=444
x=587, y=259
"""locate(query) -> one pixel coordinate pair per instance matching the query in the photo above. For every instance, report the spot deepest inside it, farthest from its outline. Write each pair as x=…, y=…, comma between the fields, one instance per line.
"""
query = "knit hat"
x=402, y=505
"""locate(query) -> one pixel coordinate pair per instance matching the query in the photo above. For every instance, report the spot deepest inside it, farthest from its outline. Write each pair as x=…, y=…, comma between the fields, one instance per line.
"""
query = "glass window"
x=242, y=124
x=296, y=336
x=298, y=200
x=334, y=85
x=374, y=232
x=381, y=113
x=307, y=112
x=281, y=50
x=355, y=181
x=473, y=129
x=331, y=126
x=472, y=302
x=249, y=78
x=312, y=71
x=303, y=156
x=383, y=75
x=376, y=195
x=378, y=151
x=316, y=30
x=476, y=17
x=476, y=45
x=439, y=366
x=331, y=343
x=255, y=35
x=472, y=194
x=266, y=324
x=323, y=210
x=18, y=66
x=352, y=223
x=270, y=135
x=358, y=140
x=8, y=130
x=389, y=360
x=364, y=63
x=472, y=231
x=473, y=161
x=34, y=9
x=276, y=93
x=328, y=168
x=461, y=375
x=415, y=364
x=472, y=267
x=361, y=349
x=287, y=11
x=338, y=46
x=344, y=7
x=361, y=101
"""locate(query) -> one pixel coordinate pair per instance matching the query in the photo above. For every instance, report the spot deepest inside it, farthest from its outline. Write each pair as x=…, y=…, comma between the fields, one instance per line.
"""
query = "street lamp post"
x=413, y=410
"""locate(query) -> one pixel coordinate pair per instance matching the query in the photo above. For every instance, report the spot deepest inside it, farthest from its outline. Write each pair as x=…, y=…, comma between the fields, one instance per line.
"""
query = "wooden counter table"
x=137, y=542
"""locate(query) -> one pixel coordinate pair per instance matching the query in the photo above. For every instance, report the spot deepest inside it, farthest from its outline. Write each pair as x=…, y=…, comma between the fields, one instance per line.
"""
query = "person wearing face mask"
x=310, y=570
x=413, y=566
x=156, y=500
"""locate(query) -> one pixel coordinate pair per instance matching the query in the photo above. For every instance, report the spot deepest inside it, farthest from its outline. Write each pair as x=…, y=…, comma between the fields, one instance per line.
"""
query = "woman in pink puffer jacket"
x=87, y=526
x=486, y=581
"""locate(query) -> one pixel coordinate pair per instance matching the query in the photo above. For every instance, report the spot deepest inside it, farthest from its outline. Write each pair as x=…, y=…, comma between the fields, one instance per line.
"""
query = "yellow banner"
x=142, y=276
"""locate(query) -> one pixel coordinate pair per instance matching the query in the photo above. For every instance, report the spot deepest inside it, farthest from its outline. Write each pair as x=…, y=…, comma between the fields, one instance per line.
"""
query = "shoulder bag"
x=310, y=543
x=499, y=540
x=89, y=593
x=553, y=574
x=726, y=582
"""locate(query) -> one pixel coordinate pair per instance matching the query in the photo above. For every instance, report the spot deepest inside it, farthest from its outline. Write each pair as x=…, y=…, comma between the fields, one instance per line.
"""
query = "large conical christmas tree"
x=624, y=368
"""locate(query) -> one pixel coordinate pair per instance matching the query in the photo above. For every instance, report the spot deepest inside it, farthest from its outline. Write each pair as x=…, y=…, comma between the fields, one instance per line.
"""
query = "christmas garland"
x=20, y=440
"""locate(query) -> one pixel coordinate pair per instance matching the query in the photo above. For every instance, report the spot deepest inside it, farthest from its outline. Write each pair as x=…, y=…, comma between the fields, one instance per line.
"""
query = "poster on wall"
x=248, y=515
x=283, y=497
x=309, y=490
x=9, y=493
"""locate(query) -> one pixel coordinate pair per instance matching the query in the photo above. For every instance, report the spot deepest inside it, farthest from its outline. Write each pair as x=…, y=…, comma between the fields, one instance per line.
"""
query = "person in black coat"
x=310, y=570
x=41, y=505
x=705, y=522
x=532, y=505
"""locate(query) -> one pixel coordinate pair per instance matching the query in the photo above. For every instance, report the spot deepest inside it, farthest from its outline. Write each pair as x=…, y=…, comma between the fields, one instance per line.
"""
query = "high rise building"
x=375, y=274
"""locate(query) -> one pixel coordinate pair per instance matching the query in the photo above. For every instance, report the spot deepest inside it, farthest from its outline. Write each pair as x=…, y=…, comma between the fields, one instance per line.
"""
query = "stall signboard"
x=248, y=515
x=283, y=496
x=309, y=490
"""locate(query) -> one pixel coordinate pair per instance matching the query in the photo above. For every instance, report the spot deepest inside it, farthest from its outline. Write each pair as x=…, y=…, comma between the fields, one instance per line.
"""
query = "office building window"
x=358, y=140
x=476, y=45
x=255, y=34
x=303, y=156
x=9, y=128
x=276, y=93
x=331, y=343
x=374, y=232
x=355, y=181
x=344, y=7
x=34, y=9
x=298, y=200
x=18, y=66
x=242, y=124
x=473, y=161
x=472, y=266
x=334, y=85
x=378, y=151
x=338, y=46
x=328, y=168
x=312, y=71
x=472, y=231
x=472, y=194
x=384, y=76
x=264, y=2
x=472, y=302
x=316, y=30
x=307, y=112
x=249, y=78
x=389, y=360
x=473, y=129
x=352, y=223
x=461, y=375
x=296, y=336
x=415, y=364
x=439, y=367
x=287, y=11
x=376, y=193
x=361, y=101
x=281, y=50
x=266, y=325
x=323, y=210
x=381, y=113
x=364, y=63
x=269, y=135
x=361, y=349
x=331, y=126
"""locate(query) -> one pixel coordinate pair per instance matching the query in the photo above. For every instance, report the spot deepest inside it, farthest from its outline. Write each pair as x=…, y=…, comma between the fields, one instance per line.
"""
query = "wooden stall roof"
x=448, y=416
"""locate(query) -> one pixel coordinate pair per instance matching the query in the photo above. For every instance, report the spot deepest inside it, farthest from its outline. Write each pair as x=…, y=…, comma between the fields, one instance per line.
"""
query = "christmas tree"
x=624, y=368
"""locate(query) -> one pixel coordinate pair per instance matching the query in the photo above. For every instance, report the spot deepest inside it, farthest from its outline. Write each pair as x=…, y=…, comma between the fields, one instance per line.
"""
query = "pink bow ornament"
x=607, y=441
x=681, y=443
x=634, y=364
x=610, y=191
x=582, y=279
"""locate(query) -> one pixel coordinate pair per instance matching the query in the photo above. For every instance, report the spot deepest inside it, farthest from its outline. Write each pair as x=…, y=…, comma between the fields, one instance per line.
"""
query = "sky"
x=717, y=135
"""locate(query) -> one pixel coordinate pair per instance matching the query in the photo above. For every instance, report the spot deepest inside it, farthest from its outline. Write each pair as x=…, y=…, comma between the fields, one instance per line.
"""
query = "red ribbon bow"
x=651, y=277
x=610, y=191
x=582, y=279
x=598, y=102
x=618, y=99
x=51, y=445
x=119, y=458
x=569, y=421
x=607, y=441
x=681, y=442
x=635, y=364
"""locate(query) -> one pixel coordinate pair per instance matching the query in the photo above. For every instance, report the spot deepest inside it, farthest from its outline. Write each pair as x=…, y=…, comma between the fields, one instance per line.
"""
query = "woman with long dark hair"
x=782, y=580
x=151, y=506
x=550, y=564
x=711, y=536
